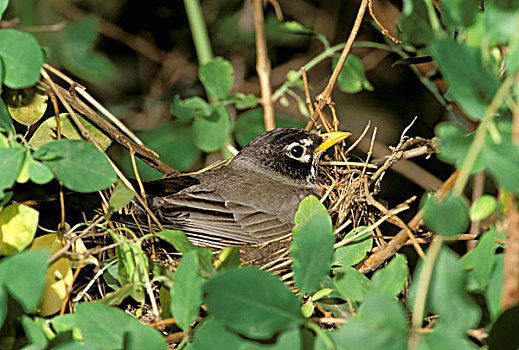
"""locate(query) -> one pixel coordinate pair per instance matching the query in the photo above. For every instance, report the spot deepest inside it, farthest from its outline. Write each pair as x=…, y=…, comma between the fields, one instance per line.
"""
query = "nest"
x=349, y=190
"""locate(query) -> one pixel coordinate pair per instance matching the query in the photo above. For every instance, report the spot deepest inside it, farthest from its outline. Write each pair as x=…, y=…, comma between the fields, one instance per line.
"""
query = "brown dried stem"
x=263, y=66
x=324, y=97
x=383, y=30
x=376, y=259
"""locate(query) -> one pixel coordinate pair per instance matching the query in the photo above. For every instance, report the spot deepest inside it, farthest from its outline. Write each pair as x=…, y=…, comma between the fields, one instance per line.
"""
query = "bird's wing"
x=208, y=219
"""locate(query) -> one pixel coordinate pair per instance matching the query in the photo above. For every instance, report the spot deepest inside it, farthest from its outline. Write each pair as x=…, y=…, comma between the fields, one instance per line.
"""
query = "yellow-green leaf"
x=26, y=106
x=18, y=225
x=58, y=277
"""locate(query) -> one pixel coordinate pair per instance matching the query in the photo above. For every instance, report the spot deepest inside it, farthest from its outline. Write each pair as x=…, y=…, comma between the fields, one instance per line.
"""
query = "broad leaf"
x=22, y=57
x=312, y=247
x=186, y=293
x=469, y=84
x=217, y=77
x=23, y=276
x=446, y=217
x=210, y=134
x=78, y=164
x=18, y=224
x=107, y=327
x=252, y=302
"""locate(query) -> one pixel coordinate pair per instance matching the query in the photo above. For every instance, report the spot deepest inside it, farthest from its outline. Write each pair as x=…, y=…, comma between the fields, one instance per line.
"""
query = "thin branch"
x=400, y=239
x=324, y=97
x=263, y=66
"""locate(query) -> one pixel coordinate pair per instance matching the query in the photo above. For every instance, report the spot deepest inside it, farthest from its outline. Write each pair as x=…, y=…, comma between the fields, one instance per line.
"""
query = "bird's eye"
x=297, y=151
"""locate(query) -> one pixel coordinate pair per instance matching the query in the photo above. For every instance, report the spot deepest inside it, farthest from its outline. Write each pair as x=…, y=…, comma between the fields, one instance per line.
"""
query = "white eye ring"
x=296, y=151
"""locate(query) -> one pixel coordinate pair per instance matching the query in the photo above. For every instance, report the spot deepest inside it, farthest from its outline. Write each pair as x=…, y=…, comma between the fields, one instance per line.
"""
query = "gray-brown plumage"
x=253, y=199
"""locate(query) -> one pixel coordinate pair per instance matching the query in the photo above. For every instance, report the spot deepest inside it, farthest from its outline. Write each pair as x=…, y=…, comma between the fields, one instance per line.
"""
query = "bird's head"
x=291, y=154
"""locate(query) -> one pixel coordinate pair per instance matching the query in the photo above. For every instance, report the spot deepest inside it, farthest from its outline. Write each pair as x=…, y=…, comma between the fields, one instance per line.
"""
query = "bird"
x=252, y=199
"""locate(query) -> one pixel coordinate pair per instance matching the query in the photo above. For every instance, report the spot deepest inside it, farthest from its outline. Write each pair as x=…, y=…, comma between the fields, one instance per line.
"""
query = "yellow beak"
x=330, y=139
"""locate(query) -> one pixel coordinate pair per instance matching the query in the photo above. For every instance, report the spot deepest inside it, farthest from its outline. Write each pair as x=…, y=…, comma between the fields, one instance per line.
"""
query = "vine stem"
x=198, y=31
x=421, y=292
x=479, y=139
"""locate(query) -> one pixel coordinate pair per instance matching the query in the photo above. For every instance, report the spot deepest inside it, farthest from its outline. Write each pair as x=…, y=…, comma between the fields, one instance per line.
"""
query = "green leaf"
x=132, y=265
x=243, y=101
x=78, y=55
x=217, y=77
x=78, y=164
x=312, y=247
x=251, y=124
x=162, y=139
x=414, y=26
x=179, y=240
x=186, y=293
x=23, y=275
x=381, y=323
x=350, y=283
x=483, y=207
x=229, y=257
x=252, y=302
x=6, y=123
x=392, y=278
x=105, y=327
x=501, y=159
x=18, y=224
x=3, y=7
x=469, y=84
x=441, y=340
x=355, y=251
x=11, y=160
x=454, y=144
x=295, y=27
x=458, y=14
x=190, y=108
x=309, y=209
x=212, y=334
x=447, y=217
x=22, y=58
x=47, y=131
x=494, y=290
x=39, y=173
x=33, y=332
x=3, y=304
x=503, y=334
x=121, y=196
x=26, y=106
x=482, y=258
x=501, y=23
x=210, y=134
x=117, y=296
x=446, y=296
x=352, y=78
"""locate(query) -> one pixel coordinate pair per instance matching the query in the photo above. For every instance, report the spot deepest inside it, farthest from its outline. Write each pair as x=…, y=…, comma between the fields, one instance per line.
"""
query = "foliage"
x=246, y=307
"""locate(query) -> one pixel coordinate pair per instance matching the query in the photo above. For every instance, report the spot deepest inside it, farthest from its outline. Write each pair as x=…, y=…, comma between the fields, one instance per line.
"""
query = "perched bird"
x=253, y=199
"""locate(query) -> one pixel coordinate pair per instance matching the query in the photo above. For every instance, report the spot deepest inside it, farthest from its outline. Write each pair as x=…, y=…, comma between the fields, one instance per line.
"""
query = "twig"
x=402, y=225
x=263, y=66
x=146, y=154
x=110, y=30
x=324, y=97
x=82, y=91
x=383, y=30
x=88, y=136
x=376, y=259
